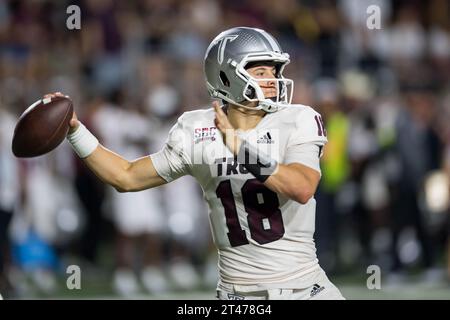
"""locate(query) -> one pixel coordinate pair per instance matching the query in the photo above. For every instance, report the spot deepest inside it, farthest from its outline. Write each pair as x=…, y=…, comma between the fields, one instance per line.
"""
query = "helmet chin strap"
x=270, y=106
x=267, y=105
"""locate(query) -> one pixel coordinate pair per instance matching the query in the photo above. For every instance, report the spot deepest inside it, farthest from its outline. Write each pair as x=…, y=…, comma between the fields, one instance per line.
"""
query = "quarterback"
x=256, y=157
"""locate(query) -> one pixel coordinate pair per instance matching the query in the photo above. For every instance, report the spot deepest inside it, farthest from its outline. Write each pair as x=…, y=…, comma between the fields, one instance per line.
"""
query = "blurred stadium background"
x=136, y=65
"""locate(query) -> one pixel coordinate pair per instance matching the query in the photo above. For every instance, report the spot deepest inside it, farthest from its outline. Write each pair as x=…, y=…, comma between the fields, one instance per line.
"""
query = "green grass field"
x=351, y=287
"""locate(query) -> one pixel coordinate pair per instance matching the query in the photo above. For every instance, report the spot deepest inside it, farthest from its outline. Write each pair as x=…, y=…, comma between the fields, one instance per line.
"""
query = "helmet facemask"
x=253, y=92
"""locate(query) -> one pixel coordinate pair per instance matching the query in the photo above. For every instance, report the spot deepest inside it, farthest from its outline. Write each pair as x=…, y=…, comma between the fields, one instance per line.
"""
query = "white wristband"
x=83, y=141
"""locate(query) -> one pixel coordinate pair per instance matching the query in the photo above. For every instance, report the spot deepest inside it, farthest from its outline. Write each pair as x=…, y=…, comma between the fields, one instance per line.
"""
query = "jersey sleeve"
x=174, y=160
x=306, y=143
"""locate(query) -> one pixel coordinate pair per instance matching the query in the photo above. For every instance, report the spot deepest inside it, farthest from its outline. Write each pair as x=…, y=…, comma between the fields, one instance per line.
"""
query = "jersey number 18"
x=264, y=216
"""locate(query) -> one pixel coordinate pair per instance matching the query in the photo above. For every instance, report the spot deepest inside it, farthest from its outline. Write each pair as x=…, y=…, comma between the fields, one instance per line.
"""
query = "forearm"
x=108, y=166
x=123, y=175
x=291, y=182
x=111, y=168
x=294, y=181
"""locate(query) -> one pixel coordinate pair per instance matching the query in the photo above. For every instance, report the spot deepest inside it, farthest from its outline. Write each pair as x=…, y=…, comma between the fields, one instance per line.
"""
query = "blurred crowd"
x=134, y=66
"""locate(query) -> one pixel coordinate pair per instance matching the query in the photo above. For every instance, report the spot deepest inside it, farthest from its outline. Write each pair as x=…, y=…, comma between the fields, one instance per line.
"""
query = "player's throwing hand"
x=74, y=121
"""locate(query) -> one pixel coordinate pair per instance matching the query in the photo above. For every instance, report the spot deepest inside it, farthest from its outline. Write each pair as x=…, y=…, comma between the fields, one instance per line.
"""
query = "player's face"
x=265, y=72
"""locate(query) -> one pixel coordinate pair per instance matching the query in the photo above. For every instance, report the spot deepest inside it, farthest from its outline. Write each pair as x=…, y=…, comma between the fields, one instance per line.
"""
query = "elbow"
x=303, y=195
x=122, y=184
x=121, y=189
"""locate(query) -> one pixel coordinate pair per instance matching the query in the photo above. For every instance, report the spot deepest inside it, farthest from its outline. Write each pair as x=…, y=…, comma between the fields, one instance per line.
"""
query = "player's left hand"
x=230, y=137
x=73, y=124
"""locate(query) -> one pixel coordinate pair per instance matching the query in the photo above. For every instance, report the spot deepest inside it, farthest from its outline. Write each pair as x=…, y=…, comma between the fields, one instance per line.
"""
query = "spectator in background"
x=9, y=194
x=92, y=194
x=138, y=217
x=447, y=170
x=335, y=170
x=358, y=90
x=419, y=150
x=102, y=45
x=445, y=129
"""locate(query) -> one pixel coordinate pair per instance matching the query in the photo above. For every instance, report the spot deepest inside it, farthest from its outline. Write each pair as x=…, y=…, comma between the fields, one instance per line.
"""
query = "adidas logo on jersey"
x=266, y=138
x=316, y=289
x=233, y=296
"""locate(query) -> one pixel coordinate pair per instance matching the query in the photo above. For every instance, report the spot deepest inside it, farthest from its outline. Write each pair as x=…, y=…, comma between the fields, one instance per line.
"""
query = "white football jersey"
x=262, y=237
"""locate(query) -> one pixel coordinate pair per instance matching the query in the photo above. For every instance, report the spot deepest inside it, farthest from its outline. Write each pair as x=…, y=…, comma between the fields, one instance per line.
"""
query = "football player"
x=256, y=158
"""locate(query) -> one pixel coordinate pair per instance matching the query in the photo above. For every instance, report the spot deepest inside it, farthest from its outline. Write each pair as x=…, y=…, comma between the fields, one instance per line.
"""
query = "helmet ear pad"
x=250, y=92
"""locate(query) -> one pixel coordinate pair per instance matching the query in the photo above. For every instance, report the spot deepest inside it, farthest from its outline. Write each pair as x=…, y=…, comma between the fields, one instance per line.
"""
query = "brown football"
x=42, y=127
